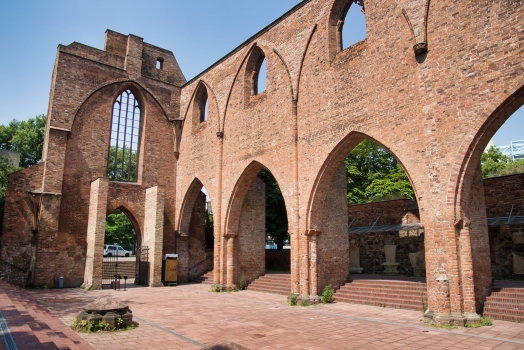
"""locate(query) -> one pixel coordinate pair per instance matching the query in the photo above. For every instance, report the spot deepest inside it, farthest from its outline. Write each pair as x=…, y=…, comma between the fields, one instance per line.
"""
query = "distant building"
x=515, y=149
x=13, y=156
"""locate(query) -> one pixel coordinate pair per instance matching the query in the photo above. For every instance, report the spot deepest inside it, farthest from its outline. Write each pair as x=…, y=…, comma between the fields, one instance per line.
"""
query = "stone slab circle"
x=225, y=346
x=107, y=310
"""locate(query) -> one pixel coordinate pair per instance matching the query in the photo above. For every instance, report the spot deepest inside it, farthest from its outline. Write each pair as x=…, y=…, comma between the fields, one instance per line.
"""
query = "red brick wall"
x=196, y=240
x=17, y=235
x=387, y=213
x=333, y=244
x=434, y=112
x=251, y=246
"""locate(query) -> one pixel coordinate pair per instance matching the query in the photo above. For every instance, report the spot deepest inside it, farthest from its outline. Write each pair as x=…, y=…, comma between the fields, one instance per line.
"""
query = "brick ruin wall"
x=197, y=264
x=434, y=111
x=251, y=241
x=333, y=244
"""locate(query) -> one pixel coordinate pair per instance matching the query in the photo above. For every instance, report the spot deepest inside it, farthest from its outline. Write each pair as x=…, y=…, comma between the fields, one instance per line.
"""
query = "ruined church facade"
x=431, y=83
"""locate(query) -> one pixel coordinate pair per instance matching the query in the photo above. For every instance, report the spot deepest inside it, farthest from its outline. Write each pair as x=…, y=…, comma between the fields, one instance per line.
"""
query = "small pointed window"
x=125, y=136
x=261, y=77
x=159, y=63
x=352, y=25
x=204, y=106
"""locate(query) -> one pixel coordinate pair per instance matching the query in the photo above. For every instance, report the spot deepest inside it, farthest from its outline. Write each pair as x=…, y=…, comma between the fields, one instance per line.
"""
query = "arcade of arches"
x=431, y=83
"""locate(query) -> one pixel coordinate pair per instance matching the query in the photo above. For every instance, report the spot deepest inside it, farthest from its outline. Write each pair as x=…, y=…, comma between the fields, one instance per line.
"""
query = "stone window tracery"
x=125, y=136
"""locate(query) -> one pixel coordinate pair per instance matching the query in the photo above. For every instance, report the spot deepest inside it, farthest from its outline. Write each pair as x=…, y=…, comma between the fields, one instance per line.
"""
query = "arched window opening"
x=352, y=26
x=204, y=110
x=259, y=75
x=209, y=230
x=501, y=188
x=120, y=247
x=125, y=136
x=159, y=63
x=200, y=105
x=262, y=76
x=277, y=235
x=383, y=214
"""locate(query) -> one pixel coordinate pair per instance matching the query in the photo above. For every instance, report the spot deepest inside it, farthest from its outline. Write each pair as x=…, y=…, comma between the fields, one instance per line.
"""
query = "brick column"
x=154, y=232
x=96, y=225
x=230, y=260
x=304, y=264
x=218, y=266
x=294, y=227
x=183, y=258
x=313, y=262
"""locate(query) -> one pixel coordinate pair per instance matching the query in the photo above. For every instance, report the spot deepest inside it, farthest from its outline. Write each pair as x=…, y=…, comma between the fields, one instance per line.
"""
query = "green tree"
x=25, y=137
x=122, y=164
x=276, y=215
x=492, y=161
x=6, y=168
x=119, y=229
x=373, y=174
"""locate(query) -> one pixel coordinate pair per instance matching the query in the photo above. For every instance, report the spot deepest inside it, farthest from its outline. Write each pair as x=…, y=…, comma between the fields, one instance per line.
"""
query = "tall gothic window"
x=125, y=135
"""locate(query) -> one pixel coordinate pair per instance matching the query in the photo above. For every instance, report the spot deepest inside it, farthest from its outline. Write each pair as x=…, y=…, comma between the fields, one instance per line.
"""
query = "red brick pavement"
x=188, y=317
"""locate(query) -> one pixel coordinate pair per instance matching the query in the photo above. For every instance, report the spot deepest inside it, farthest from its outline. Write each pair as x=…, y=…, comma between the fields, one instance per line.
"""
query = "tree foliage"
x=494, y=163
x=276, y=215
x=119, y=229
x=373, y=174
x=25, y=137
x=6, y=168
x=122, y=164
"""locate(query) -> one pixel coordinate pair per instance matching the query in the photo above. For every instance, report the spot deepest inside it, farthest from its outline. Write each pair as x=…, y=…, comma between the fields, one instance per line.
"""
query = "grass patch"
x=484, y=321
x=442, y=326
x=90, y=327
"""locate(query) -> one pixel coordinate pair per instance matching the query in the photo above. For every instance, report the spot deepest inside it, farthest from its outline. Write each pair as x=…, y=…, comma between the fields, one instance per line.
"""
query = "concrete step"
x=395, y=304
x=390, y=284
x=384, y=293
x=276, y=283
x=206, y=278
x=397, y=290
x=505, y=304
x=381, y=295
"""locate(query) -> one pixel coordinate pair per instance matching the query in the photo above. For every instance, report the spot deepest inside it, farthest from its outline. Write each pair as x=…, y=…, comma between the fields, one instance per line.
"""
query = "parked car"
x=115, y=250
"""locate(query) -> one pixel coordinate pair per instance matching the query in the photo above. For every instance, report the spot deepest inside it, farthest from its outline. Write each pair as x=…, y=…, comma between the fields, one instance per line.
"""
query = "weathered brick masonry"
x=434, y=108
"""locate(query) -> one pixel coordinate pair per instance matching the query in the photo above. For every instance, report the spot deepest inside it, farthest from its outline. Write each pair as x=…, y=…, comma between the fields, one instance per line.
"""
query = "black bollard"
x=125, y=283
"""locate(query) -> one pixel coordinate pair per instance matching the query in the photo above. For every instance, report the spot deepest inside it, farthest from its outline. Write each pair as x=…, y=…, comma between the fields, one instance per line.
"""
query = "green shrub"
x=327, y=295
x=292, y=299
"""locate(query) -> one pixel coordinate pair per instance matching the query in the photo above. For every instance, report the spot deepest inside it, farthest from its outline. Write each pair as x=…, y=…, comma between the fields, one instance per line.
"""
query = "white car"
x=115, y=250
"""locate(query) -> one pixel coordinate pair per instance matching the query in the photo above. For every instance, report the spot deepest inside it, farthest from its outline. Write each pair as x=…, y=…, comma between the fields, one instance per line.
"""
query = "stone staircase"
x=272, y=282
x=206, y=278
x=398, y=294
x=505, y=303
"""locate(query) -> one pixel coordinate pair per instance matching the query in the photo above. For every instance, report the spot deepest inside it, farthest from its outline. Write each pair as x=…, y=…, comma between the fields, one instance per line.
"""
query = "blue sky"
x=198, y=32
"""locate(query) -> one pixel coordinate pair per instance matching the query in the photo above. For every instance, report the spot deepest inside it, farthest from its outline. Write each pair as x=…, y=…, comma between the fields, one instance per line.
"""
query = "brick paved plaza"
x=191, y=317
